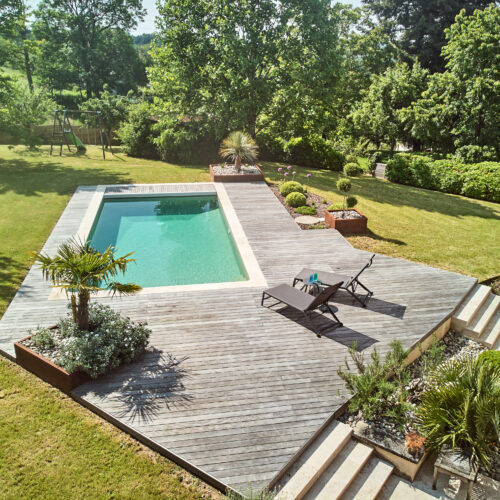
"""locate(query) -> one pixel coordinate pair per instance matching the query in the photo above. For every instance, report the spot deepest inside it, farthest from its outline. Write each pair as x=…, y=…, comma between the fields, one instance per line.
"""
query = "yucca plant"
x=81, y=270
x=462, y=408
x=239, y=146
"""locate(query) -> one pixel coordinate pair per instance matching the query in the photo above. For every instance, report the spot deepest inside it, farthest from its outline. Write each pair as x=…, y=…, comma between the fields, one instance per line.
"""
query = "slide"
x=77, y=142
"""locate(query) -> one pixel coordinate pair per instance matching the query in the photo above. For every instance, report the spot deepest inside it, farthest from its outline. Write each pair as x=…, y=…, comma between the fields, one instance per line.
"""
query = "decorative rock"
x=306, y=219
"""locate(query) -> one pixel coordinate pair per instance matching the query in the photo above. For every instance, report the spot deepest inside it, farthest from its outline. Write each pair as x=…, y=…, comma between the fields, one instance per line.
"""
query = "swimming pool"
x=176, y=240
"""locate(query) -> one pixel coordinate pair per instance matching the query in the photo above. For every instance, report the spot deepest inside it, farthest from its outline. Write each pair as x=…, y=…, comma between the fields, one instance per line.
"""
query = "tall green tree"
x=462, y=105
x=417, y=26
x=80, y=30
x=380, y=116
x=14, y=18
x=221, y=63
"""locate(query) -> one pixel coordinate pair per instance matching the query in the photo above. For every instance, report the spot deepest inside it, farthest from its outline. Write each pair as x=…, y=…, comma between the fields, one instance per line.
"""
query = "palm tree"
x=81, y=270
x=239, y=146
x=462, y=408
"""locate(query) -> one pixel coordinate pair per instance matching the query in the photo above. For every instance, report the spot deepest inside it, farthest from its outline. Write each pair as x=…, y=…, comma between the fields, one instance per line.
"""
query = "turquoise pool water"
x=176, y=240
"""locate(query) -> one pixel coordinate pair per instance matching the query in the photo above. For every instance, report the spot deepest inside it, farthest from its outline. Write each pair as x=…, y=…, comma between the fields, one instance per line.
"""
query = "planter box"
x=406, y=467
x=48, y=371
x=236, y=177
x=346, y=226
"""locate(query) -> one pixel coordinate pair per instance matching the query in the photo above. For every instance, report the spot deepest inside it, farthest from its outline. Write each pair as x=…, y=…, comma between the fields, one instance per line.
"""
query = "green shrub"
x=344, y=185
x=352, y=169
x=295, y=200
x=314, y=151
x=305, y=210
x=291, y=187
x=461, y=408
x=44, y=339
x=350, y=158
x=489, y=357
x=136, y=133
x=475, y=154
x=335, y=206
x=378, y=389
x=271, y=148
x=476, y=180
x=351, y=201
x=112, y=340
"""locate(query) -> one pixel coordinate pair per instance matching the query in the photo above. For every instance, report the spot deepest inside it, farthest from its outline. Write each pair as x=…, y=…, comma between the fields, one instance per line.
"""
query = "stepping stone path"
x=306, y=219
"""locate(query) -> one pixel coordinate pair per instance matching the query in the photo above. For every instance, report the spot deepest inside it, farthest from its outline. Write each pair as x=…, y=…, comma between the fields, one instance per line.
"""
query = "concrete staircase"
x=337, y=467
x=478, y=317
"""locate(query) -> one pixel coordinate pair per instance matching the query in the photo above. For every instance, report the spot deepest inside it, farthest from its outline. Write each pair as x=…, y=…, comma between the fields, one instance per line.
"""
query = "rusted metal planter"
x=47, y=370
x=236, y=177
x=346, y=226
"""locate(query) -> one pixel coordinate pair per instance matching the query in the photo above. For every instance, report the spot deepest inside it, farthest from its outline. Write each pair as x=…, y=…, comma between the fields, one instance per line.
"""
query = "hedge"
x=476, y=180
x=315, y=152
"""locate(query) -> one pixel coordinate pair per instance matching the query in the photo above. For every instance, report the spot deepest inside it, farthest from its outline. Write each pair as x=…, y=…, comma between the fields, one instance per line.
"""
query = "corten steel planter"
x=346, y=226
x=236, y=177
x=46, y=370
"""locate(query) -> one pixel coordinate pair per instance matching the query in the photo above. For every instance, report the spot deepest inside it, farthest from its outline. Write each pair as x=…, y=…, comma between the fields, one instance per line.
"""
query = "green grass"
x=51, y=447
x=442, y=230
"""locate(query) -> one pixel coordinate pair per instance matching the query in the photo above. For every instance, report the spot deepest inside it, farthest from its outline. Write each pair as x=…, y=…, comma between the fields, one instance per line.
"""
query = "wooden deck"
x=230, y=389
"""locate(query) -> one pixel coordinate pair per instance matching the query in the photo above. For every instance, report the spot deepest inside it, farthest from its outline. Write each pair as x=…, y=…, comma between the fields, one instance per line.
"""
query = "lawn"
x=442, y=230
x=49, y=445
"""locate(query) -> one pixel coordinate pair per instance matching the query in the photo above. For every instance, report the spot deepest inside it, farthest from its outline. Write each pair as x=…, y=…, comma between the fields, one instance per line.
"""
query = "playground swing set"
x=62, y=128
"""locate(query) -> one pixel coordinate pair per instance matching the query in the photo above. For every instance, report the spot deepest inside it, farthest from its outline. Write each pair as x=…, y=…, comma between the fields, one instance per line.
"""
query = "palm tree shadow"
x=156, y=384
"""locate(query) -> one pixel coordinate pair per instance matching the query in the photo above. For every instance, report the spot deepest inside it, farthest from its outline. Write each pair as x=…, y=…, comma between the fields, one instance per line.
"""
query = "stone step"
x=483, y=317
x=491, y=336
x=313, y=461
x=369, y=482
x=400, y=489
x=470, y=307
x=337, y=478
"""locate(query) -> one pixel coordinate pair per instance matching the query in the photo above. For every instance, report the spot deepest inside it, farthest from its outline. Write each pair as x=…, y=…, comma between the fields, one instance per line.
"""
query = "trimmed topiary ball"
x=291, y=187
x=351, y=201
x=305, y=210
x=295, y=200
x=352, y=169
x=344, y=185
x=350, y=158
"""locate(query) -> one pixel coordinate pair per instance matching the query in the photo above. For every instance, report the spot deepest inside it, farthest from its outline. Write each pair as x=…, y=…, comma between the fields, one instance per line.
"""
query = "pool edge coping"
x=256, y=277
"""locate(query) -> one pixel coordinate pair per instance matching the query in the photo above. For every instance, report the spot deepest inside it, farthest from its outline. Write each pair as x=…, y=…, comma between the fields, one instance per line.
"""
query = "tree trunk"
x=83, y=311
x=27, y=62
x=237, y=163
x=74, y=308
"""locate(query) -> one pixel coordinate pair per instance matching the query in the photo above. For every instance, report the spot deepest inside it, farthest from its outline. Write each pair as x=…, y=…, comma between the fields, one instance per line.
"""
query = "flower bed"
x=390, y=430
x=65, y=356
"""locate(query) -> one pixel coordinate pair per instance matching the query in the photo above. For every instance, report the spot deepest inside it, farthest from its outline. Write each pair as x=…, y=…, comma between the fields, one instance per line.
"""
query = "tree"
x=380, y=116
x=113, y=110
x=220, y=64
x=239, y=146
x=461, y=107
x=14, y=16
x=80, y=29
x=418, y=26
x=81, y=270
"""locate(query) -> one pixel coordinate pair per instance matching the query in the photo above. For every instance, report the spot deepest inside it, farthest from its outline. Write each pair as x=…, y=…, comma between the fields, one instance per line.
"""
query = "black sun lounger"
x=302, y=301
x=350, y=283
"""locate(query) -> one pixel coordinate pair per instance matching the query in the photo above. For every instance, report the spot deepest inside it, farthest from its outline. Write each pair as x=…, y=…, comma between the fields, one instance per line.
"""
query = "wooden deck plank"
x=253, y=383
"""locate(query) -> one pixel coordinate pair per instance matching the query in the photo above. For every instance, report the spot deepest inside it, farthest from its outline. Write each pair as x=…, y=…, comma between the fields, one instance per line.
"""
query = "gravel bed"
x=230, y=170
x=387, y=434
x=312, y=200
x=51, y=354
x=347, y=214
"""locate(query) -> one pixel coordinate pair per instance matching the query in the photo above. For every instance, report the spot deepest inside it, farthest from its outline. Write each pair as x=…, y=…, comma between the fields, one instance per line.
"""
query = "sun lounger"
x=303, y=301
x=350, y=283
